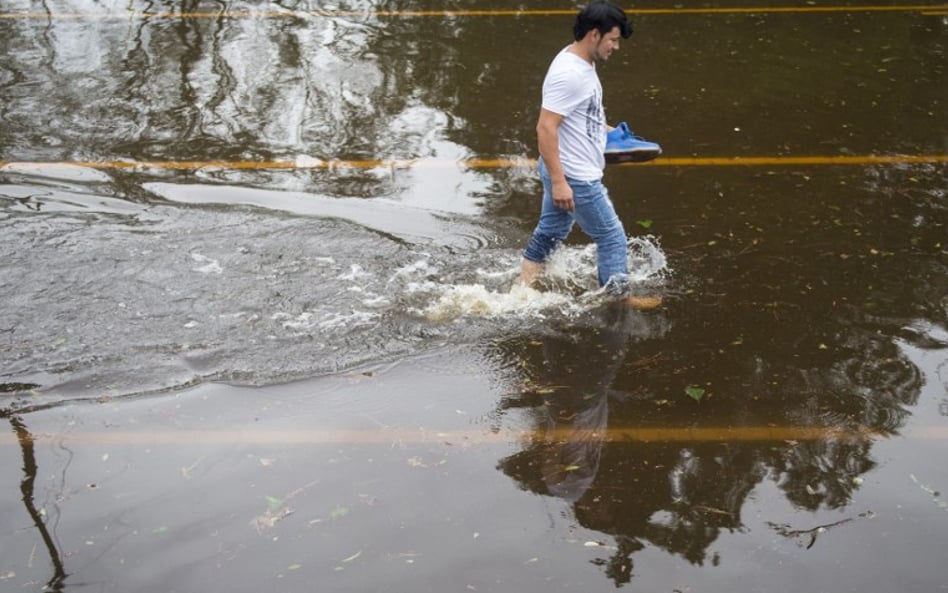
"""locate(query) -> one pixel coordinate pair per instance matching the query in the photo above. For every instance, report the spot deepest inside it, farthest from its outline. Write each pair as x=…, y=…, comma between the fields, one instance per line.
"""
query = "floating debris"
x=786, y=531
x=935, y=494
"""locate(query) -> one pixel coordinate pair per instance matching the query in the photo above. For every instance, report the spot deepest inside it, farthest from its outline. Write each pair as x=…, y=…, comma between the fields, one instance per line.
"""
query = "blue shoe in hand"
x=622, y=146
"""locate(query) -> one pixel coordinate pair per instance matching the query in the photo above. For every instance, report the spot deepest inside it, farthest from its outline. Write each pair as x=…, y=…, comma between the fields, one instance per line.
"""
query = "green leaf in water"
x=339, y=512
x=274, y=503
x=695, y=393
x=644, y=223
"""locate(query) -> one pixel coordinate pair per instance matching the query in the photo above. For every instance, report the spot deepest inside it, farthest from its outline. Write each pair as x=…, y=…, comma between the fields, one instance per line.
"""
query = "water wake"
x=568, y=289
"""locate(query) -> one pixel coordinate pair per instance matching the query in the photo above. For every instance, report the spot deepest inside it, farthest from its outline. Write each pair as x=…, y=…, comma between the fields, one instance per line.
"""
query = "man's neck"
x=579, y=49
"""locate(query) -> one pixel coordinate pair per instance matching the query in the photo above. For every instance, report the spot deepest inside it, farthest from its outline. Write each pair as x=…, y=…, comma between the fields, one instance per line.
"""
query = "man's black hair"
x=603, y=16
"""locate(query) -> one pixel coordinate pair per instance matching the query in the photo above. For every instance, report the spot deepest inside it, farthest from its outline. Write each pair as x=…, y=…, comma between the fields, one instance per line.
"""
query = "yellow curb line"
x=316, y=164
x=925, y=9
x=787, y=434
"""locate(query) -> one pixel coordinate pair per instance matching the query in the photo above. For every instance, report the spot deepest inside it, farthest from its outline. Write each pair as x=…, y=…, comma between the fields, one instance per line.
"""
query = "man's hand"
x=563, y=195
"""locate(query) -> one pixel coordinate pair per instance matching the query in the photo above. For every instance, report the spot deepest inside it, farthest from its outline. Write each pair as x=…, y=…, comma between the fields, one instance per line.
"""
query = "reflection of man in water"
x=571, y=135
x=573, y=420
x=615, y=487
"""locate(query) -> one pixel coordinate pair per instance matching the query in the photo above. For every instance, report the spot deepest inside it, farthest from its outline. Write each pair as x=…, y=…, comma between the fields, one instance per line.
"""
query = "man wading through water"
x=571, y=134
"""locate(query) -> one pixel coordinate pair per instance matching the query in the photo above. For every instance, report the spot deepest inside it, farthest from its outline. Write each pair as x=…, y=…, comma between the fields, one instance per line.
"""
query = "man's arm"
x=548, y=141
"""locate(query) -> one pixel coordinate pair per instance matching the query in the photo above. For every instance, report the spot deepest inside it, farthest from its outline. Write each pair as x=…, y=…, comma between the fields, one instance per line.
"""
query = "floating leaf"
x=339, y=512
x=571, y=468
x=695, y=393
x=644, y=223
x=269, y=519
x=294, y=567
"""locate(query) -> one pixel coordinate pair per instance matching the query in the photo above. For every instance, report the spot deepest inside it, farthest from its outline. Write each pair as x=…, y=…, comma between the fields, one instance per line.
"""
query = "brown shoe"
x=642, y=303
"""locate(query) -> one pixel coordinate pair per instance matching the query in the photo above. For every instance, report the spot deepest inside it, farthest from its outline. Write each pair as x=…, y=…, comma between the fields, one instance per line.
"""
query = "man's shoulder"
x=568, y=69
x=568, y=62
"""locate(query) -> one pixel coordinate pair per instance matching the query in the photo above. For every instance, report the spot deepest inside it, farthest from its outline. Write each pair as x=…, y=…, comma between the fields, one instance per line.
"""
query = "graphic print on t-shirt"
x=594, y=117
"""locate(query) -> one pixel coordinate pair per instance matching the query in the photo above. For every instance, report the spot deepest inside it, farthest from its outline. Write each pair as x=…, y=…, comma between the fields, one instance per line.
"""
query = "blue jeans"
x=597, y=218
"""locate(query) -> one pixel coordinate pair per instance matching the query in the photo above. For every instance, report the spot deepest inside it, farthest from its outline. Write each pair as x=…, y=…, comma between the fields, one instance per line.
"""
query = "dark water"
x=270, y=339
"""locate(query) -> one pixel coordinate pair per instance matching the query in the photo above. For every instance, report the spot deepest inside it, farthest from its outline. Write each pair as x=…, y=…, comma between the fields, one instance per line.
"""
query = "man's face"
x=607, y=44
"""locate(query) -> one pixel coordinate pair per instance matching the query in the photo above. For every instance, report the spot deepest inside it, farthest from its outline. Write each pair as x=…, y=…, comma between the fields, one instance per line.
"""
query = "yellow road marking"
x=789, y=434
x=798, y=160
x=775, y=161
x=458, y=13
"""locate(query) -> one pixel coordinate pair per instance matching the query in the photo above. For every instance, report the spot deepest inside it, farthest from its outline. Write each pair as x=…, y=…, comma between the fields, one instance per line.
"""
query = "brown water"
x=258, y=331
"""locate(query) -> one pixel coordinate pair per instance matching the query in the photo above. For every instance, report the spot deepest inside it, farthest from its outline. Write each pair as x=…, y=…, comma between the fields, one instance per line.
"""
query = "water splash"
x=568, y=288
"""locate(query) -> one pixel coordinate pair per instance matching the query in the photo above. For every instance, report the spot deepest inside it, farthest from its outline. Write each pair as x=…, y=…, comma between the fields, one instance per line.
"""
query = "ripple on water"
x=294, y=286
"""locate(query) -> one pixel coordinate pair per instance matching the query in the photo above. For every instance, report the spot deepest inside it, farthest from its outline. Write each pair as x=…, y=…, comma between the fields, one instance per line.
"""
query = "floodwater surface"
x=259, y=325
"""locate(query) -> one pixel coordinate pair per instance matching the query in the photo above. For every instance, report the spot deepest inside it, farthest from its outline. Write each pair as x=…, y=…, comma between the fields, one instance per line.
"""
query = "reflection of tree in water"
x=680, y=496
x=867, y=387
x=293, y=85
x=57, y=580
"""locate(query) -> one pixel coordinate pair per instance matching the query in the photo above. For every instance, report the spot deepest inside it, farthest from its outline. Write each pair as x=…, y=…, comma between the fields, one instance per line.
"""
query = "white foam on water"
x=442, y=288
x=475, y=300
x=211, y=266
x=376, y=301
x=326, y=320
x=421, y=267
x=356, y=272
x=569, y=281
x=422, y=287
x=301, y=321
x=352, y=319
x=647, y=261
x=575, y=267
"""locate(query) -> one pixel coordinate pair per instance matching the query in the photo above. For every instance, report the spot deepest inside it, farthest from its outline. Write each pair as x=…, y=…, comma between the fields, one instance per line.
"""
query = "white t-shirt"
x=572, y=89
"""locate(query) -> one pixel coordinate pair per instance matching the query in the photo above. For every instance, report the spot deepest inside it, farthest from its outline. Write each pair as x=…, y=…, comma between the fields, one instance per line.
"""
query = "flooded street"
x=259, y=326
